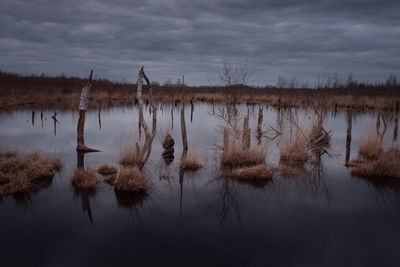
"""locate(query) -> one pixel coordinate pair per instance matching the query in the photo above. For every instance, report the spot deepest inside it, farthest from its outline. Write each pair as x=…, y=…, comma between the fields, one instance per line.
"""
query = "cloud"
x=306, y=39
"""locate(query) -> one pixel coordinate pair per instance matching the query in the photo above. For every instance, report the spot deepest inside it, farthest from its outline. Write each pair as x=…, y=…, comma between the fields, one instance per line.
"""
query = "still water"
x=322, y=218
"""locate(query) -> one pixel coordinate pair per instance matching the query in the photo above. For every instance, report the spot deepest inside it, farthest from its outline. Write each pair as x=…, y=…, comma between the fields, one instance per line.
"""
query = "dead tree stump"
x=83, y=106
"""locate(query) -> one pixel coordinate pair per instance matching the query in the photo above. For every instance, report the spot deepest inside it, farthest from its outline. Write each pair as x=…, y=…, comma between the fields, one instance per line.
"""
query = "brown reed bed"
x=24, y=174
x=256, y=172
x=63, y=92
x=106, y=169
x=237, y=150
x=132, y=179
x=134, y=153
x=238, y=158
x=370, y=147
x=85, y=178
x=190, y=162
x=131, y=154
x=295, y=151
x=387, y=164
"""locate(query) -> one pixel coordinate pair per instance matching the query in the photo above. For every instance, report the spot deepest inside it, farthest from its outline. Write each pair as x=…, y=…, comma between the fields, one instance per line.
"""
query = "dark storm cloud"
x=306, y=39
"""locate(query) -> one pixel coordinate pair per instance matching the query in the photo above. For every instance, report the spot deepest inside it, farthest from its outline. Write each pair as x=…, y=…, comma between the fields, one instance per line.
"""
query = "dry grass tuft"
x=26, y=174
x=190, y=162
x=370, y=147
x=295, y=152
x=133, y=153
x=106, y=169
x=132, y=179
x=256, y=172
x=386, y=165
x=239, y=158
x=85, y=178
x=237, y=150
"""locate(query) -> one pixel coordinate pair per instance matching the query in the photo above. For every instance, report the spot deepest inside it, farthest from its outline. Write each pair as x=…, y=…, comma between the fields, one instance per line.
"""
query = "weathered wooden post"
x=183, y=130
x=41, y=117
x=54, y=117
x=246, y=133
x=33, y=114
x=259, y=124
x=348, y=137
x=83, y=106
x=99, y=116
x=191, y=109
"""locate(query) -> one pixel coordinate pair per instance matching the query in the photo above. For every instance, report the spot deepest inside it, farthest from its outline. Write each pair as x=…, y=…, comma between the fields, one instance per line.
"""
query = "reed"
x=256, y=172
x=132, y=179
x=386, y=165
x=85, y=178
x=26, y=174
x=237, y=150
x=190, y=162
x=370, y=147
x=295, y=151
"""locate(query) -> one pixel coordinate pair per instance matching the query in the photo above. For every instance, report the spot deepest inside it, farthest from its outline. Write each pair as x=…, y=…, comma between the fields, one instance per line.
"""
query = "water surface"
x=325, y=217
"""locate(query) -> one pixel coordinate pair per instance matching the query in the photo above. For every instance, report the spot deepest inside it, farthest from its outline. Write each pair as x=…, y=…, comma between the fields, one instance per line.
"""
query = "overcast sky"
x=307, y=39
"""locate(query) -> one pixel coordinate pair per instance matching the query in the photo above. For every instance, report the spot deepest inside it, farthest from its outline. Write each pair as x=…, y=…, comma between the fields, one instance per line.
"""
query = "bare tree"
x=235, y=72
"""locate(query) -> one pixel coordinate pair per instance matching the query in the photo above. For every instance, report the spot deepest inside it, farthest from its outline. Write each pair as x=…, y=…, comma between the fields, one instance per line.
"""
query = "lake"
x=324, y=217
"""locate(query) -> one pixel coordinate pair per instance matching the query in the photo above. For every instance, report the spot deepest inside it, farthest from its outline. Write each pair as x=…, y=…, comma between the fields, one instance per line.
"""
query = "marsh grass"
x=295, y=151
x=85, y=178
x=256, y=172
x=26, y=174
x=132, y=179
x=47, y=91
x=190, y=162
x=106, y=169
x=237, y=150
x=370, y=147
x=387, y=164
x=133, y=152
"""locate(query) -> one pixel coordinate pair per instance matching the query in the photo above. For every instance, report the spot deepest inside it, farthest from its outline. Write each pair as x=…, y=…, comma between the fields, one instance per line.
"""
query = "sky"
x=307, y=39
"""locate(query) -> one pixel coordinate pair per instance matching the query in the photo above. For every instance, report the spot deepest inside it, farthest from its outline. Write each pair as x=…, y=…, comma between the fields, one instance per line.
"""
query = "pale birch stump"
x=83, y=106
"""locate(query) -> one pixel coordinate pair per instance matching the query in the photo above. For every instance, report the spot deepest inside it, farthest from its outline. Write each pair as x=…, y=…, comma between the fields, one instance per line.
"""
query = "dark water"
x=325, y=218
